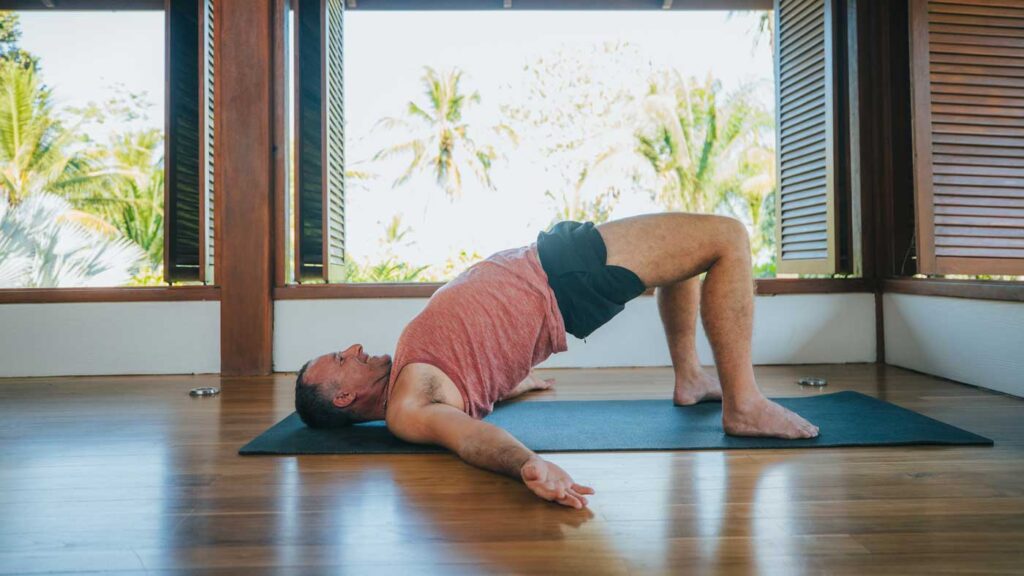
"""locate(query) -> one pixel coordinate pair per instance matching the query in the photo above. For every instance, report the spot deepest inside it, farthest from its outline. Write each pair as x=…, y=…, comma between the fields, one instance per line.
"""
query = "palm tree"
x=130, y=194
x=40, y=247
x=442, y=142
x=689, y=132
x=33, y=143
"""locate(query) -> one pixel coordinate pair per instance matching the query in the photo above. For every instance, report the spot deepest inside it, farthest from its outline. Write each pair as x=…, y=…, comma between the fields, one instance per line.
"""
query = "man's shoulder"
x=420, y=384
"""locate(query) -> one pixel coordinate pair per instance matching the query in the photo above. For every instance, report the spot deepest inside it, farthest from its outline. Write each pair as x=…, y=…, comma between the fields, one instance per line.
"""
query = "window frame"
x=107, y=293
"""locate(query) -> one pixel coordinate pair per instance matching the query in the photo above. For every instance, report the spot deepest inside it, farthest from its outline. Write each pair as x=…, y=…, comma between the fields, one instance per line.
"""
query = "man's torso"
x=481, y=333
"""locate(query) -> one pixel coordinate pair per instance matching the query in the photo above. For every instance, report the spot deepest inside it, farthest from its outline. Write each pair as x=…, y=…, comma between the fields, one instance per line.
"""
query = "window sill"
x=127, y=294
x=974, y=289
x=764, y=287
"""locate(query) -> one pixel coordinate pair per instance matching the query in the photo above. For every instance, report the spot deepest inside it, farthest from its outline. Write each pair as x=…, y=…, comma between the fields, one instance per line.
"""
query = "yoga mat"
x=845, y=419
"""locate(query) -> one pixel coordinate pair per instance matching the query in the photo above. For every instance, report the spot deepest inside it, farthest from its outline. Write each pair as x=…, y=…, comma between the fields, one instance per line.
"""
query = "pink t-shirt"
x=486, y=328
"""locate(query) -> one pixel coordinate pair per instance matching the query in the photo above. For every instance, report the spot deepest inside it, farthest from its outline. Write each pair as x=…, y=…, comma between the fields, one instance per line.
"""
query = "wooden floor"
x=131, y=475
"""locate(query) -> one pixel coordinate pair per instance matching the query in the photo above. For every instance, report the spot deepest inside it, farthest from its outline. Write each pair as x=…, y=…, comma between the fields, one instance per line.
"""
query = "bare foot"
x=532, y=382
x=762, y=417
x=696, y=387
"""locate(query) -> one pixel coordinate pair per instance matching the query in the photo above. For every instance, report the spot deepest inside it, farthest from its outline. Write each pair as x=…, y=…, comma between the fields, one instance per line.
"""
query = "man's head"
x=342, y=388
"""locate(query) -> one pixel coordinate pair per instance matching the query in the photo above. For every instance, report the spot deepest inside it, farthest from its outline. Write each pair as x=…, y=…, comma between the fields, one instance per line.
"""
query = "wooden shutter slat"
x=1008, y=3
x=996, y=202
x=808, y=153
x=942, y=116
x=990, y=171
x=967, y=231
x=985, y=105
x=982, y=221
x=981, y=252
x=979, y=181
x=977, y=10
x=977, y=40
x=971, y=191
x=978, y=50
x=973, y=150
x=971, y=30
x=964, y=160
x=1007, y=24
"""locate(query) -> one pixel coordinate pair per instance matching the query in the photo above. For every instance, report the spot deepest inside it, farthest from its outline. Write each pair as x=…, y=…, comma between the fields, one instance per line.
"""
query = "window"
x=478, y=129
x=106, y=174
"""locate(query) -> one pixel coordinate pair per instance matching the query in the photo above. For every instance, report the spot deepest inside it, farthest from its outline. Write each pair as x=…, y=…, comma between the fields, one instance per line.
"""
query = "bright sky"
x=84, y=54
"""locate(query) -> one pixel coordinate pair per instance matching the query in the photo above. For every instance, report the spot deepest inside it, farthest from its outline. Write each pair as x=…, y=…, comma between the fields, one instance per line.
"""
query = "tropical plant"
x=391, y=269
x=130, y=195
x=10, y=33
x=575, y=206
x=442, y=142
x=33, y=143
x=577, y=105
x=689, y=133
x=42, y=247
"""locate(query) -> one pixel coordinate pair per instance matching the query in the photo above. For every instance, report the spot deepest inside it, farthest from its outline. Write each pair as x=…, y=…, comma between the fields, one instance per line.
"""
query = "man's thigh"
x=665, y=248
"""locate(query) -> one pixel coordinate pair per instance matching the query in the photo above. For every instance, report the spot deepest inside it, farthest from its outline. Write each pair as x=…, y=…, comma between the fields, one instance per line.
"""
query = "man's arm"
x=485, y=446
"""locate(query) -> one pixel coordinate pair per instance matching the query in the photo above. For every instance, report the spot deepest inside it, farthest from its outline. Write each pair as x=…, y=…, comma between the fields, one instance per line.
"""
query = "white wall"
x=109, y=338
x=788, y=329
x=979, y=342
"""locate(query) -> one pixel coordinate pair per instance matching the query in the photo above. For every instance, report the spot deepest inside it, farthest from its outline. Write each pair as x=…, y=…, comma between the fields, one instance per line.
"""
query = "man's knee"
x=732, y=235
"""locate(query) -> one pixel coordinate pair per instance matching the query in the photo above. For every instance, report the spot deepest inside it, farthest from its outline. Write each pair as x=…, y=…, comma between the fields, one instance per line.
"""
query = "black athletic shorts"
x=589, y=291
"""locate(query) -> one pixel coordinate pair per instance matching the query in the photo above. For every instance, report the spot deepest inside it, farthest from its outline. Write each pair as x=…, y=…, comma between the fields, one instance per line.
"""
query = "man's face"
x=360, y=374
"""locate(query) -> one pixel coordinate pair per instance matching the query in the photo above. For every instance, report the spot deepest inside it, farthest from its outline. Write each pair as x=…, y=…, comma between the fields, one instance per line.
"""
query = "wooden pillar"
x=245, y=162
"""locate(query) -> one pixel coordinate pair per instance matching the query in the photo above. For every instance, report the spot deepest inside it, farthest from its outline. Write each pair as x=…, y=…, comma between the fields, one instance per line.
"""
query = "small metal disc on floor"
x=204, y=391
x=807, y=381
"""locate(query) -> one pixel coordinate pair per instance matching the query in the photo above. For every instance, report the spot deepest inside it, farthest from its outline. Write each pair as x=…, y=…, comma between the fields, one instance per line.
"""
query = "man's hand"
x=552, y=483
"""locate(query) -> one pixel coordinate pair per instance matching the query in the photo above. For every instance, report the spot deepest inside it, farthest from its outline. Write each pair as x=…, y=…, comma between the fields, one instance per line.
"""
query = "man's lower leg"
x=727, y=310
x=678, y=304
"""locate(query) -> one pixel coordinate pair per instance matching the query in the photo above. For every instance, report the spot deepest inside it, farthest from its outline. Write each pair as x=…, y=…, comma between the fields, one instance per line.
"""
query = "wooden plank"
x=974, y=289
x=140, y=294
x=245, y=169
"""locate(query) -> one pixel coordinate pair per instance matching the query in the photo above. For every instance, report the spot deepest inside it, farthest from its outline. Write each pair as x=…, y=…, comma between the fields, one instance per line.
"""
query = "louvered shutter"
x=806, y=137
x=320, y=134
x=968, y=87
x=188, y=156
x=207, y=143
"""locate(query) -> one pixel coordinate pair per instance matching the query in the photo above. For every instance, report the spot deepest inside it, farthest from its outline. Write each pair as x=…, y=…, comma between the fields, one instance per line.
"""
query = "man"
x=480, y=334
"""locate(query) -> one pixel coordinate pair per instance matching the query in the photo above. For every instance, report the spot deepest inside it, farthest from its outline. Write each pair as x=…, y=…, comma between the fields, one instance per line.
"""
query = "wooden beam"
x=763, y=286
x=245, y=162
x=130, y=294
x=81, y=5
x=976, y=289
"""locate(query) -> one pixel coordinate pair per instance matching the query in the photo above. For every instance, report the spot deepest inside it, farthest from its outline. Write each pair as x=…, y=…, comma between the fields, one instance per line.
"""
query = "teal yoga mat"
x=845, y=419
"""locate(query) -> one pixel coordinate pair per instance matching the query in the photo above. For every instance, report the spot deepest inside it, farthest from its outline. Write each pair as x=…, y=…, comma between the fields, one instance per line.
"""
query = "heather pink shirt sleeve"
x=486, y=328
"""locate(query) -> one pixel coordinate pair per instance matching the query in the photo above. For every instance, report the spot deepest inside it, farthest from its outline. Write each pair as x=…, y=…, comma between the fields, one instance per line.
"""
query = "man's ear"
x=343, y=399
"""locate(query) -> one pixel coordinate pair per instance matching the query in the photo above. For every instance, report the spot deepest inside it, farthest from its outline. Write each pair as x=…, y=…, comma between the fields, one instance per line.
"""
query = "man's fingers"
x=570, y=500
x=582, y=489
x=580, y=497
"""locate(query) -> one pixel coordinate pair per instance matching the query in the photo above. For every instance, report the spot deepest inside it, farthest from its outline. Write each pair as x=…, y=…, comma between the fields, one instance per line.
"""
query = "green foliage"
x=42, y=247
x=442, y=141
x=115, y=189
x=689, y=133
x=388, y=270
x=129, y=193
x=34, y=156
x=10, y=33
